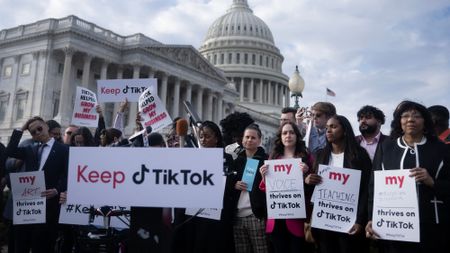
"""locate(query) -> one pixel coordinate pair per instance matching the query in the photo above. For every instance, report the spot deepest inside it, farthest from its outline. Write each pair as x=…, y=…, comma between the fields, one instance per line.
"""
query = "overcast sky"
x=375, y=52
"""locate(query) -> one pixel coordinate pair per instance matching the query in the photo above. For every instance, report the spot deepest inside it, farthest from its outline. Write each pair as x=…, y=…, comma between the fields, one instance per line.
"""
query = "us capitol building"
x=238, y=68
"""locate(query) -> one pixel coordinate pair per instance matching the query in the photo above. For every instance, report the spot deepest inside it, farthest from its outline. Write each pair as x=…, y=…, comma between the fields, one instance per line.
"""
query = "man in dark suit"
x=52, y=157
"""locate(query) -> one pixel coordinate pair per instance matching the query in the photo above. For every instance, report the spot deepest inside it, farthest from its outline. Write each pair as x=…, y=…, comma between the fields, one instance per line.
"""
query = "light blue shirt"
x=317, y=139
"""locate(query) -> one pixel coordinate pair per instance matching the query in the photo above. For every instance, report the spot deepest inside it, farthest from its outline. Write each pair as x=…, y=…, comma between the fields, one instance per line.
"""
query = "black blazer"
x=55, y=168
x=360, y=162
x=257, y=197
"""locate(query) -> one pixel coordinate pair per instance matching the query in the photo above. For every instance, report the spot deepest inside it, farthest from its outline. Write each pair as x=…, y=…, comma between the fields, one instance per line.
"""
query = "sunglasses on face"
x=35, y=131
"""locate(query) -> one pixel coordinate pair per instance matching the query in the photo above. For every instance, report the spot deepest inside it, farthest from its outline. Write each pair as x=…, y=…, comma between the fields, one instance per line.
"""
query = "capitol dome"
x=239, y=21
x=242, y=45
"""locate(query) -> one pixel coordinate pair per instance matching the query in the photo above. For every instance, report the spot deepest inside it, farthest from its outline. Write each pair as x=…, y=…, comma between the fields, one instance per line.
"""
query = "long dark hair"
x=87, y=137
x=351, y=147
x=396, y=126
x=213, y=126
x=278, y=147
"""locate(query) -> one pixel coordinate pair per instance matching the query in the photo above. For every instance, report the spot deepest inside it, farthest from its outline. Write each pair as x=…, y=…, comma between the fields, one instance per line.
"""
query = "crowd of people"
x=419, y=141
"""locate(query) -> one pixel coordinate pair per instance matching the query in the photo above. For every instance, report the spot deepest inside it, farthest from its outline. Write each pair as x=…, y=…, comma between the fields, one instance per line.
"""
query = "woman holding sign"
x=205, y=235
x=414, y=146
x=248, y=201
x=287, y=235
x=342, y=151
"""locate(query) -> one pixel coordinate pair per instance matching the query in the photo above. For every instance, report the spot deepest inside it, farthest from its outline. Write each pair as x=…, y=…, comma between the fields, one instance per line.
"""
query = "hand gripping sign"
x=117, y=90
x=28, y=205
x=152, y=177
x=284, y=189
x=395, y=206
x=336, y=199
x=84, y=112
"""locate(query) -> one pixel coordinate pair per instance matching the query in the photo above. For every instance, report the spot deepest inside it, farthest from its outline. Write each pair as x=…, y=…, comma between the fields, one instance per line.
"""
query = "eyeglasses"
x=34, y=131
x=411, y=115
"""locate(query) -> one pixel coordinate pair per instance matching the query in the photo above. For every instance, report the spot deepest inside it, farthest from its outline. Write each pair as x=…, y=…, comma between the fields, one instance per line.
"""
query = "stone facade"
x=42, y=63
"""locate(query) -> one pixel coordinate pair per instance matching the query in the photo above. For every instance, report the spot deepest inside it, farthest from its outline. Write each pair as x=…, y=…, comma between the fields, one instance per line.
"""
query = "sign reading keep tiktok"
x=151, y=177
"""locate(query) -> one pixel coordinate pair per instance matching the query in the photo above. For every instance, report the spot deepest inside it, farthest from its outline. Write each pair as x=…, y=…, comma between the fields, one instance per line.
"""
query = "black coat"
x=434, y=157
x=257, y=197
x=55, y=168
x=362, y=163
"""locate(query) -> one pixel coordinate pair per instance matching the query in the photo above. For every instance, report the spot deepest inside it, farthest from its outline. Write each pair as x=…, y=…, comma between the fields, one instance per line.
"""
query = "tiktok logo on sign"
x=169, y=177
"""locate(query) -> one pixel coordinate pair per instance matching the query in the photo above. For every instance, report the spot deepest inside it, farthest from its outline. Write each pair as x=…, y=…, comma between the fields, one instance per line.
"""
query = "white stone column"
x=241, y=90
x=164, y=79
x=261, y=89
x=270, y=94
x=65, y=98
x=287, y=102
x=188, y=91
x=209, y=106
x=219, y=115
x=176, y=98
x=86, y=70
x=200, y=102
x=277, y=102
x=103, y=76
x=280, y=94
x=252, y=89
x=34, y=67
x=186, y=96
x=151, y=73
x=15, y=75
x=1, y=67
x=104, y=70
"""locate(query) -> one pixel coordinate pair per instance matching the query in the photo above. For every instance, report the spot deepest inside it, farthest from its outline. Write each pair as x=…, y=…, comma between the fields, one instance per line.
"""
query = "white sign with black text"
x=28, y=205
x=336, y=199
x=395, y=207
x=284, y=189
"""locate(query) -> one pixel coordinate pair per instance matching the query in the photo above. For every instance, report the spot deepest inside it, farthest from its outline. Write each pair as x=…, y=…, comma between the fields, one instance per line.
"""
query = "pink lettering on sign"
x=87, y=104
x=339, y=177
x=395, y=180
x=94, y=176
x=27, y=180
x=105, y=90
x=282, y=168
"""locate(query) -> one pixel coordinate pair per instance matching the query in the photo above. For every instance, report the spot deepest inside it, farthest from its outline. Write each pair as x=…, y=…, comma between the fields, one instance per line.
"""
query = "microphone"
x=182, y=130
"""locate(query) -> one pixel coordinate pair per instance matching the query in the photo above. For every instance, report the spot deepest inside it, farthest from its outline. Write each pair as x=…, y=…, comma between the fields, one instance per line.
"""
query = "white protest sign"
x=153, y=111
x=28, y=205
x=395, y=207
x=208, y=213
x=117, y=90
x=336, y=199
x=84, y=111
x=78, y=214
x=284, y=189
x=147, y=177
